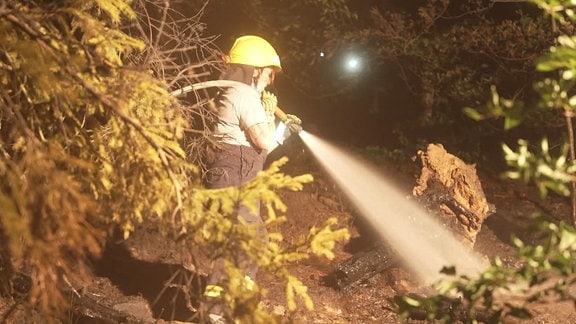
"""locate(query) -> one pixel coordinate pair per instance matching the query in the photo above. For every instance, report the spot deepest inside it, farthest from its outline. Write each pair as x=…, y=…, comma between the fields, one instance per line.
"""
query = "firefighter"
x=245, y=134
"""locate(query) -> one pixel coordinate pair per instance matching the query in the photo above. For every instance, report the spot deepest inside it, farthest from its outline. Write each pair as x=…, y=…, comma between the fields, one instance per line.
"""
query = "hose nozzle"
x=292, y=126
x=280, y=114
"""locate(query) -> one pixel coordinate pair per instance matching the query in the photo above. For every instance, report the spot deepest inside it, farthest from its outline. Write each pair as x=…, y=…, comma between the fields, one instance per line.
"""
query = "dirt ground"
x=367, y=300
x=130, y=277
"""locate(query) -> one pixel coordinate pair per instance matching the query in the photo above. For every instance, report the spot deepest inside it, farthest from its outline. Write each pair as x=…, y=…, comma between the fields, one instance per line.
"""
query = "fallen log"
x=363, y=265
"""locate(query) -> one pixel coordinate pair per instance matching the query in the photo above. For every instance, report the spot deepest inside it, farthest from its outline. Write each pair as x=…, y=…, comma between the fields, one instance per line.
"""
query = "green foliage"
x=561, y=57
x=90, y=142
x=512, y=111
x=545, y=271
x=219, y=231
x=70, y=132
x=322, y=241
x=448, y=55
x=548, y=172
x=500, y=293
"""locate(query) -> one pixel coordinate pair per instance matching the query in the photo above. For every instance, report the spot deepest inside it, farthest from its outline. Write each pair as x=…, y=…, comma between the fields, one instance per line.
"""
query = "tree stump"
x=452, y=191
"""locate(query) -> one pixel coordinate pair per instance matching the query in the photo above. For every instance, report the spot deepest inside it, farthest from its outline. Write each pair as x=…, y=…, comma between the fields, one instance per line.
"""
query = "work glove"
x=293, y=123
x=269, y=102
x=282, y=133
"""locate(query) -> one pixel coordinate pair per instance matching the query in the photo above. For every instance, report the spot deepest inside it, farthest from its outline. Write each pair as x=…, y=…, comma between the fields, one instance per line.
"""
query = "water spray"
x=422, y=244
x=379, y=202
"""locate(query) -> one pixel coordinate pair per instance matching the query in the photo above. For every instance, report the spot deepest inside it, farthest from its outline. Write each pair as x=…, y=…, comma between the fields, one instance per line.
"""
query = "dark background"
x=376, y=103
x=348, y=118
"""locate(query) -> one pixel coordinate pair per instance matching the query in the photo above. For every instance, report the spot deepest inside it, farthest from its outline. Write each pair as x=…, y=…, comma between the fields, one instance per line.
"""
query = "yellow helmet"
x=254, y=51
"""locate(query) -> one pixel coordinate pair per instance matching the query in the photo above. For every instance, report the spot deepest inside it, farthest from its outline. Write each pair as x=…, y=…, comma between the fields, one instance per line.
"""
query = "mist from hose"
x=422, y=244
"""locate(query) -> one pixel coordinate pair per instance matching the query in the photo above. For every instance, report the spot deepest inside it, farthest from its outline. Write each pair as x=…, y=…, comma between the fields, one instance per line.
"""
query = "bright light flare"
x=352, y=63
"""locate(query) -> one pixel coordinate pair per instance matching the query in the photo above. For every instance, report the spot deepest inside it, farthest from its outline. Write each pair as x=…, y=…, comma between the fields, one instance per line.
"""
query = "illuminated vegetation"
x=92, y=141
x=545, y=271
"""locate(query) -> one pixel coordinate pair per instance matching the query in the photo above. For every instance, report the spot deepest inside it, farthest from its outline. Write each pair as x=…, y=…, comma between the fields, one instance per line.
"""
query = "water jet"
x=422, y=244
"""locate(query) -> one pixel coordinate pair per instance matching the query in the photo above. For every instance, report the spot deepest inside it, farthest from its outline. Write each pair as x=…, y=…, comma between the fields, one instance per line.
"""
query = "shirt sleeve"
x=251, y=112
x=239, y=108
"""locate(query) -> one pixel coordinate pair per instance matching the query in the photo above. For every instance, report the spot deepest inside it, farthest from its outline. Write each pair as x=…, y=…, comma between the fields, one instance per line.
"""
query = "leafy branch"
x=545, y=273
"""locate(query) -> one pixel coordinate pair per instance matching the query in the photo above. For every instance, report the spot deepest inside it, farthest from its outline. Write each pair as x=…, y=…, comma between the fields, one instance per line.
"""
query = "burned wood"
x=451, y=189
x=363, y=265
x=469, y=220
x=464, y=215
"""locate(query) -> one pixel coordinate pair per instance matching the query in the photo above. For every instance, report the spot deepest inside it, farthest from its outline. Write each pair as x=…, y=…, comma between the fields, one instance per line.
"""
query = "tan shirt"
x=239, y=108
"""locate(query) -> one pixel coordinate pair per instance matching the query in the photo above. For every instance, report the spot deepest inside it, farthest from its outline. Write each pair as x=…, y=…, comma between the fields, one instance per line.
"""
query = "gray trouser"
x=234, y=165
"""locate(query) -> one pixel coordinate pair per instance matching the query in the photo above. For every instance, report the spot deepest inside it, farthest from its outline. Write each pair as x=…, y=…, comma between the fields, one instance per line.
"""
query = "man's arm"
x=262, y=135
